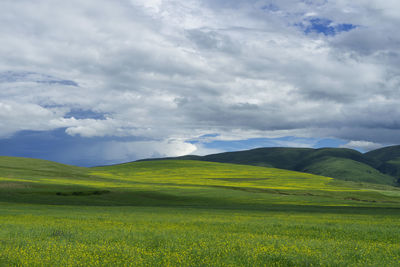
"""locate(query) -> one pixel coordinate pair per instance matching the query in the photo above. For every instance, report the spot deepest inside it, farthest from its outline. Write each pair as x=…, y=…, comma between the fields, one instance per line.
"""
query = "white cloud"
x=117, y=152
x=174, y=70
x=15, y=117
x=362, y=145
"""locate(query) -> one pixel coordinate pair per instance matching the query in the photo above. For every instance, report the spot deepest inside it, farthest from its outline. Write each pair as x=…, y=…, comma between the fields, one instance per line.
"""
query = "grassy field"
x=191, y=213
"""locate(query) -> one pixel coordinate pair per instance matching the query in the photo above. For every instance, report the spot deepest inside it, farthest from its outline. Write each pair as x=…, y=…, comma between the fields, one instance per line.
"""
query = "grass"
x=137, y=236
x=191, y=213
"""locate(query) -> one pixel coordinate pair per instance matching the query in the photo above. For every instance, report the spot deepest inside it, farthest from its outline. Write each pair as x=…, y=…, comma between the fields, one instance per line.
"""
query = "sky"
x=100, y=82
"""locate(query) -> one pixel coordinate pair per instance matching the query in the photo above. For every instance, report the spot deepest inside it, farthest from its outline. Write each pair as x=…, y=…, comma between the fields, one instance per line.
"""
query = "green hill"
x=182, y=182
x=389, y=158
x=316, y=155
x=16, y=167
x=348, y=170
x=385, y=154
x=344, y=164
x=340, y=163
x=277, y=157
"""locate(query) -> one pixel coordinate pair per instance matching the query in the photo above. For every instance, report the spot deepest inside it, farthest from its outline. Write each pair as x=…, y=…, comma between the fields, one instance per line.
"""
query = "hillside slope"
x=340, y=163
x=17, y=167
x=348, y=170
x=277, y=157
x=385, y=154
x=179, y=183
x=389, y=158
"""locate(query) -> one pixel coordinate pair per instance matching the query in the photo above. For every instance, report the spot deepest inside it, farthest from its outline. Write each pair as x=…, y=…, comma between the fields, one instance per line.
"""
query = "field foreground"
x=90, y=236
x=175, y=213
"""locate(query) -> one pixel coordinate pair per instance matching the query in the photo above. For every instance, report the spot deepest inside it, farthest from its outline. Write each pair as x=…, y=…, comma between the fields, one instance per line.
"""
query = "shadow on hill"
x=92, y=197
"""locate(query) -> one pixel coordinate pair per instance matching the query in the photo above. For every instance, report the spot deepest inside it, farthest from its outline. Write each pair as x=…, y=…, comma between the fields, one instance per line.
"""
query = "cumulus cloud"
x=176, y=70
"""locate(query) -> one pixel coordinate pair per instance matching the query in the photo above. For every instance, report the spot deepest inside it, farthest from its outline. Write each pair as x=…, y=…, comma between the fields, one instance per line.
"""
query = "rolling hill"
x=183, y=182
x=21, y=168
x=340, y=163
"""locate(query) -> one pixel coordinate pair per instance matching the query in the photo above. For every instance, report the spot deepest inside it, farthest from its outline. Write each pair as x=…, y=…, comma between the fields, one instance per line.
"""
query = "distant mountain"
x=380, y=166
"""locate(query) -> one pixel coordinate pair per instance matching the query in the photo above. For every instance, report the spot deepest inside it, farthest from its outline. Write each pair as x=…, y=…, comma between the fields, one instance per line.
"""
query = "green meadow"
x=191, y=213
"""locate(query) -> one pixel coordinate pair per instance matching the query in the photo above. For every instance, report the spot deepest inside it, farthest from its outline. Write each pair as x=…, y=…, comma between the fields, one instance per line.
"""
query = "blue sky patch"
x=324, y=26
x=85, y=114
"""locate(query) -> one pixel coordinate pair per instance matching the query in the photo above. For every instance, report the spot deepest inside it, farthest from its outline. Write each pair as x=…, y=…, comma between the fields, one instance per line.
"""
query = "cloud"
x=362, y=145
x=116, y=152
x=14, y=117
x=175, y=70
